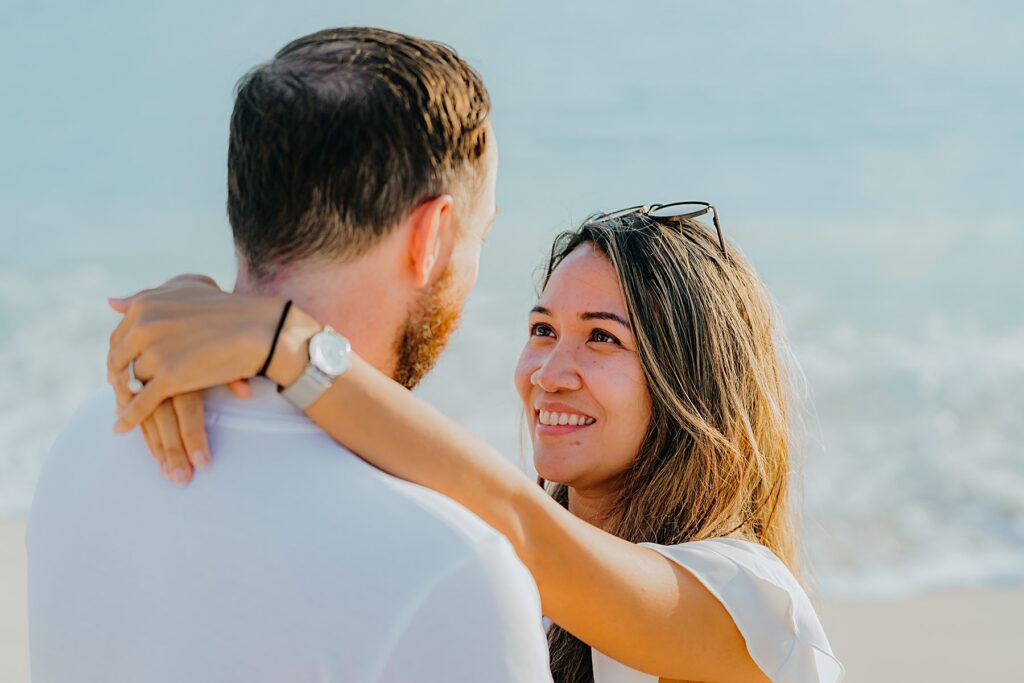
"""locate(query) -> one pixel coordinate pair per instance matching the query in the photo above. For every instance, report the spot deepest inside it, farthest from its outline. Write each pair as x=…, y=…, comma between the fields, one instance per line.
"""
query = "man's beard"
x=426, y=331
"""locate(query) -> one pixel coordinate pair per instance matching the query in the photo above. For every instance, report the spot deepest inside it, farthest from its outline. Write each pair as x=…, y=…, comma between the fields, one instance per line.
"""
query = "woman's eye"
x=604, y=337
x=541, y=330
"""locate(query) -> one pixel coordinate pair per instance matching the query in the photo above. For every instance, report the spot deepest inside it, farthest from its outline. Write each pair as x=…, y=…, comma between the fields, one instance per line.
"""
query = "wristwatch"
x=329, y=357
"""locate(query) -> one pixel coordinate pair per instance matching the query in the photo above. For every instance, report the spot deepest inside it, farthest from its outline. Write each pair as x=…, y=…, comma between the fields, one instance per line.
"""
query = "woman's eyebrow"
x=591, y=315
x=603, y=315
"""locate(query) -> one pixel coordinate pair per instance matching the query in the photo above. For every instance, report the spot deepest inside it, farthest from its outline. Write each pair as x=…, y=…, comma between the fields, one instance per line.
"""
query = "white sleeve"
x=771, y=610
x=480, y=622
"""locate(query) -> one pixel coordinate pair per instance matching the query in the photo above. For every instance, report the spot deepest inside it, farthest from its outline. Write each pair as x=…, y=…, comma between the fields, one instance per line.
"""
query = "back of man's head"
x=338, y=137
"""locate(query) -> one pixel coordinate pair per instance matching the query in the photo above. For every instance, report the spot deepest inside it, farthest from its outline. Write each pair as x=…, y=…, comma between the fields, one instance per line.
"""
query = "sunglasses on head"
x=670, y=212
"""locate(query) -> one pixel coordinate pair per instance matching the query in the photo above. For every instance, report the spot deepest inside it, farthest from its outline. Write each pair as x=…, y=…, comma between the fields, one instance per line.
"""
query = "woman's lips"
x=554, y=423
x=557, y=430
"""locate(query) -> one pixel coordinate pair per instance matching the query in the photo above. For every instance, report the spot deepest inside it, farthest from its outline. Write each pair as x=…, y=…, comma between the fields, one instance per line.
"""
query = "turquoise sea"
x=866, y=157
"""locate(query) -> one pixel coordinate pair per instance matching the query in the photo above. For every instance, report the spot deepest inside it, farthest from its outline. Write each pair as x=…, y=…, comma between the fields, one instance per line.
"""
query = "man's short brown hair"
x=337, y=138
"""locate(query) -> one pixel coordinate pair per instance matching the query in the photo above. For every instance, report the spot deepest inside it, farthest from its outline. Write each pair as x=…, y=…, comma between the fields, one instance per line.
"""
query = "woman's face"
x=580, y=377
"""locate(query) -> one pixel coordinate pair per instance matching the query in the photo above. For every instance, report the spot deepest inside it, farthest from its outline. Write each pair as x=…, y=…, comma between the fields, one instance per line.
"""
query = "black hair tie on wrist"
x=277, y=335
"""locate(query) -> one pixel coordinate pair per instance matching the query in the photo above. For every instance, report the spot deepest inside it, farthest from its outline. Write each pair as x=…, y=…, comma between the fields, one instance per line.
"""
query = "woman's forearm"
x=378, y=419
x=625, y=600
x=385, y=424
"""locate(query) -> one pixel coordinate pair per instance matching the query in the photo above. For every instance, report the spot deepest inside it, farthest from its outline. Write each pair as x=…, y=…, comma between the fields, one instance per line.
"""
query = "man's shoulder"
x=93, y=420
x=429, y=508
x=439, y=535
x=313, y=482
x=101, y=405
x=67, y=471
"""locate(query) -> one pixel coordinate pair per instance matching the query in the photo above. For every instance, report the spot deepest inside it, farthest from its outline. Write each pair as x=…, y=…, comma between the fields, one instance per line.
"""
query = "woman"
x=657, y=407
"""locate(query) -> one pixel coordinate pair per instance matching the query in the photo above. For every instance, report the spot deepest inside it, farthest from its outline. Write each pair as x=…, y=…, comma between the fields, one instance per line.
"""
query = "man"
x=362, y=167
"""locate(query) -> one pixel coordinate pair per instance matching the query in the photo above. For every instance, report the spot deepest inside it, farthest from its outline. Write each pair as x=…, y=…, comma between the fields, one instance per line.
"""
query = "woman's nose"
x=558, y=372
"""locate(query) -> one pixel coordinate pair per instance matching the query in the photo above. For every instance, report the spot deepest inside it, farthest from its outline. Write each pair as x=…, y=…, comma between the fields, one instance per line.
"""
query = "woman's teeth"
x=549, y=418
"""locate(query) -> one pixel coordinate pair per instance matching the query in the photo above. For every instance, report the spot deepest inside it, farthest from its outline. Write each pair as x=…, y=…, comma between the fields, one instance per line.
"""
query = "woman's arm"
x=623, y=599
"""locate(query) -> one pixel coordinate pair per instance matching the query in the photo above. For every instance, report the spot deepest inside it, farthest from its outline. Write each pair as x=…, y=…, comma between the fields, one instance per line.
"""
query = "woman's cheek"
x=629, y=410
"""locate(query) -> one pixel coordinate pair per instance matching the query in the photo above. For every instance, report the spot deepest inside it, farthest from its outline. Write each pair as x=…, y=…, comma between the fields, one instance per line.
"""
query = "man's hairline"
x=278, y=270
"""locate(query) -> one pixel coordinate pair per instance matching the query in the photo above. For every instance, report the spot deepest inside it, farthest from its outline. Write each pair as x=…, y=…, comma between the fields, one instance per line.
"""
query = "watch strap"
x=304, y=392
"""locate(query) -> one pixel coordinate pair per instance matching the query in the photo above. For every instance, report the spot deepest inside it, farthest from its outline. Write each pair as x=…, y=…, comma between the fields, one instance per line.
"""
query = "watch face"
x=329, y=352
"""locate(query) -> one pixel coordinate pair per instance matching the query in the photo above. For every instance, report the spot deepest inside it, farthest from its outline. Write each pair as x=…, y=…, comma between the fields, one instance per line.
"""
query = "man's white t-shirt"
x=288, y=559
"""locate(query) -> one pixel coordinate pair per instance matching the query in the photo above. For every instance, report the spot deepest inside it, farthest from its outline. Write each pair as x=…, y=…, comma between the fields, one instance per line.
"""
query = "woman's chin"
x=556, y=470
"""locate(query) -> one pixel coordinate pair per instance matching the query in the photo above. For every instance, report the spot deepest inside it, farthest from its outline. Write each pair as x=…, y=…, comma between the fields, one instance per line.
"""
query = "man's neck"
x=353, y=298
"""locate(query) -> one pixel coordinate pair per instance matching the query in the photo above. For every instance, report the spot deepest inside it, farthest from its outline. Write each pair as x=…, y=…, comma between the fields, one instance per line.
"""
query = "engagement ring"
x=135, y=385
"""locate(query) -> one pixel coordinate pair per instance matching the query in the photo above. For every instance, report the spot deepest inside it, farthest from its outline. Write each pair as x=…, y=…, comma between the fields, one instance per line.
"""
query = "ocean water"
x=869, y=169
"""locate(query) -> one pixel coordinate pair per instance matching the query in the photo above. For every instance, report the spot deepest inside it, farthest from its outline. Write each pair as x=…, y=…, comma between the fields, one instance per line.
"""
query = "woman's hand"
x=184, y=336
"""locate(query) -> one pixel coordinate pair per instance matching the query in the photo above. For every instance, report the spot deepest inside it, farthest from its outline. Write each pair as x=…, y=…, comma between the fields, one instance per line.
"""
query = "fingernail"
x=120, y=427
x=201, y=458
x=179, y=476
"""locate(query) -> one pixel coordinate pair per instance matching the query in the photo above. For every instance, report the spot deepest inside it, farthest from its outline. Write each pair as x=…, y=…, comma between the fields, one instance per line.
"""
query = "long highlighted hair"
x=715, y=460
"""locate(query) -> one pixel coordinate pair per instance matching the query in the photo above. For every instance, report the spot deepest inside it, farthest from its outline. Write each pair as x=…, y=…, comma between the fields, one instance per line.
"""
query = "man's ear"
x=432, y=227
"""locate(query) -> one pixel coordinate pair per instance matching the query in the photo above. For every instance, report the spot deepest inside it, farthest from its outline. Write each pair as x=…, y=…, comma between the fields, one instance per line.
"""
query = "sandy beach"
x=968, y=635
x=964, y=635
x=13, y=604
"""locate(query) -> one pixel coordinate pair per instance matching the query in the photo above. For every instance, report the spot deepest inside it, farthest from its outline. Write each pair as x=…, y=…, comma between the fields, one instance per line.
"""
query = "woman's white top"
x=771, y=610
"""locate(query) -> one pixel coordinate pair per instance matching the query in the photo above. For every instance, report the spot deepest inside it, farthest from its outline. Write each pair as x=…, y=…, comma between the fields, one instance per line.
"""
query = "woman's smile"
x=558, y=419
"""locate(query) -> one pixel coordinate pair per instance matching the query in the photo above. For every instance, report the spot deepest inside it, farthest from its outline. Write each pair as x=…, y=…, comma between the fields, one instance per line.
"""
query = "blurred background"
x=866, y=157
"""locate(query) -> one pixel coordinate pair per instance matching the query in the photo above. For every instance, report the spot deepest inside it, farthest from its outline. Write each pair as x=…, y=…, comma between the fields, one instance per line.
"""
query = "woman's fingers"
x=192, y=426
x=174, y=463
x=240, y=388
x=193, y=336
x=119, y=382
x=184, y=336
x=141, y=406
x=121, y=303
x=151, y=433
x=189, y=421
x=118, y=304
x=132, y=307
x=132, y=408
x=126, y=342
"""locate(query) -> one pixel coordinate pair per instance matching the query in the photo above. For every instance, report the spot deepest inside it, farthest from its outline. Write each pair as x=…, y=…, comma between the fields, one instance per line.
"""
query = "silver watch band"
x=303, y=392
x=329, y=358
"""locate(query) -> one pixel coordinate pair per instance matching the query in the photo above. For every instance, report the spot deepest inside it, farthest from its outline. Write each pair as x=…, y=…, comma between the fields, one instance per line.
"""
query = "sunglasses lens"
x=681, y=210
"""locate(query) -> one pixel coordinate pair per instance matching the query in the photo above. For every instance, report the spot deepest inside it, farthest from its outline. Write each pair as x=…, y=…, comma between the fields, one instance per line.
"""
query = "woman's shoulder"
x=731, y=555
x=767, y=602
